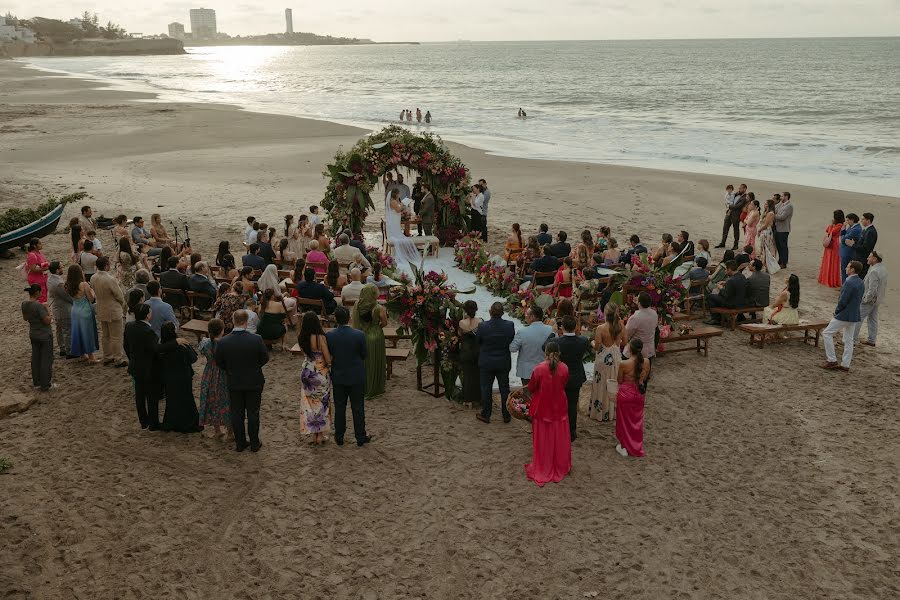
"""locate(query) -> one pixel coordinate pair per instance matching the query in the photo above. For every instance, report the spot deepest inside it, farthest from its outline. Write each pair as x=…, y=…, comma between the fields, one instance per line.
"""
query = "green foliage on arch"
x=355, y=174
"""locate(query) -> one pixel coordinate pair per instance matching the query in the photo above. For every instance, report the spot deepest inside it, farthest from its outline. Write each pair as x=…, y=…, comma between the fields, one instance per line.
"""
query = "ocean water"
x=822, y=112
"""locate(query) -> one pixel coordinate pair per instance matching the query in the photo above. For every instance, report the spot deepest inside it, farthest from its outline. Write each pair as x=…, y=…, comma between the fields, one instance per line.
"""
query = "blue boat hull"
x=36, y=229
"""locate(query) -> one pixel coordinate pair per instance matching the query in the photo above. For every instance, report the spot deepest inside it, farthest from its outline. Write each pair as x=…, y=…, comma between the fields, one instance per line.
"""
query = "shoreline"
x=143, y=87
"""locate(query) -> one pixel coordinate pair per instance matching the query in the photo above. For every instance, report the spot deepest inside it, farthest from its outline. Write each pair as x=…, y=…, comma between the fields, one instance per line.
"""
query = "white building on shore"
x=176, y=30
x=203, y=23
x=289, y=21
x=14, y=33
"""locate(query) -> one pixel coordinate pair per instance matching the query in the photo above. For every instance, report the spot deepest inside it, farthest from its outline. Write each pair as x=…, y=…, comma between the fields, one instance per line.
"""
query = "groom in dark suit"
x=241, y=355
x=348, y=377
x=143, y=365
x=572, y=349
x=494, y=361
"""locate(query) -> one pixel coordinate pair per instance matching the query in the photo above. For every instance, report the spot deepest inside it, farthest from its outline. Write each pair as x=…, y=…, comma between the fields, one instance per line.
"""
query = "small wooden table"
x=760, y=333
x=702, y=335
x=197, y=327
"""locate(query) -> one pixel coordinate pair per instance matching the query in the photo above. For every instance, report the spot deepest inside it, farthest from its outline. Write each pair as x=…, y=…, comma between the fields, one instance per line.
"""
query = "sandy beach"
x=765, y=476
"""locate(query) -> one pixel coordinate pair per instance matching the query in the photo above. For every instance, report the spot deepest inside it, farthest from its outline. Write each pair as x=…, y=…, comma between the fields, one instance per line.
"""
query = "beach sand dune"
x=765, y=476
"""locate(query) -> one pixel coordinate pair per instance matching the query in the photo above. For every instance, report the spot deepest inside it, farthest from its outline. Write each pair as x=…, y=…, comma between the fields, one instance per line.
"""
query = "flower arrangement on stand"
x=421, y=307
x=498, y=279
x=469, y=253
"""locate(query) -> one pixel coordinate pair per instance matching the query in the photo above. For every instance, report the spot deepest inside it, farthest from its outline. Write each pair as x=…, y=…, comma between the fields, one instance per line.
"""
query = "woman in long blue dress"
x=84, y=340
x=215, y=408
x=176, y=359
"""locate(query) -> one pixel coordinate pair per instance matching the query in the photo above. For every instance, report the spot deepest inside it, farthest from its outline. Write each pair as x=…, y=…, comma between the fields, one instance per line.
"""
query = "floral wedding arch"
x=356, y=173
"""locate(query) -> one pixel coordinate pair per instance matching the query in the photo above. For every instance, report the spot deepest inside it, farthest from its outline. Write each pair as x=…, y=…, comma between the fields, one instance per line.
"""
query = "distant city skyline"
x=430, y=20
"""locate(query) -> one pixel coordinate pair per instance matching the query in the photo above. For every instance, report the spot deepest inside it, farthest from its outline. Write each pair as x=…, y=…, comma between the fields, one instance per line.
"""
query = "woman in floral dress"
x=608, y=340
x=215, y=407
x=315, y=380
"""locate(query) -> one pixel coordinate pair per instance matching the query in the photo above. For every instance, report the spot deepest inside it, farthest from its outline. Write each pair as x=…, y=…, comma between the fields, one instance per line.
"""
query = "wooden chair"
x=204, y=300
x=179, y=301
x=313, y=305
x=542, y=275
x=512, y=259
x=696, y=292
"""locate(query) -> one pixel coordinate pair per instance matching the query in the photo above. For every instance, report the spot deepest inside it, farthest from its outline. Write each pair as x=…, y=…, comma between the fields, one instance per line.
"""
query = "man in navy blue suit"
x=572, y=349
x=241, y=355
x=846, y=316
x=348, y=376
x=310, y=289
x=494, y=361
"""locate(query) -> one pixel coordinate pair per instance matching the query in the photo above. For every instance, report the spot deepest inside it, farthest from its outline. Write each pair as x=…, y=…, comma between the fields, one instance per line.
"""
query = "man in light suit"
x=846, y=316
x=572, y=349
x=110, y=312
x=529, y=343
x=348, y=374
x=345, y=253
x=242, y=355
x=494, y=361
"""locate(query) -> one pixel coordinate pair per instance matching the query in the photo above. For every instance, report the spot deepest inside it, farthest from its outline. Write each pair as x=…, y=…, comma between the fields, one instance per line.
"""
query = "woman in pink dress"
x=632, y=378
x=751, y=225
x=36, y=267
x=552, y=453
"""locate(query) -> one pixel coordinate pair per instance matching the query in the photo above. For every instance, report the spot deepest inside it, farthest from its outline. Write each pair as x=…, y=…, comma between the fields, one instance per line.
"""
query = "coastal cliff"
x=93, y=48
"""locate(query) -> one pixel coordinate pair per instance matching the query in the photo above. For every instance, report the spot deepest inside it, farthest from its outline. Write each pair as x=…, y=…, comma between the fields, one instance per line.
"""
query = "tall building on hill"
x=289, y=20
x=203, y=23
x=176, y=30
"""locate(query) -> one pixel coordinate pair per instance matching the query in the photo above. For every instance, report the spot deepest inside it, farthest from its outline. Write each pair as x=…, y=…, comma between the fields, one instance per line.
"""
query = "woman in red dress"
x=552, y=454
x=830, y=271
x=632, y=378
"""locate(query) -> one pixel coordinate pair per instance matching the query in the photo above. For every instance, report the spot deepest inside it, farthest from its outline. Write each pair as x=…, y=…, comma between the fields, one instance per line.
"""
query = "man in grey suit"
x=757, y=286
x=529, y=343
x=784, y=212
x=426, y=209
x=348, y=375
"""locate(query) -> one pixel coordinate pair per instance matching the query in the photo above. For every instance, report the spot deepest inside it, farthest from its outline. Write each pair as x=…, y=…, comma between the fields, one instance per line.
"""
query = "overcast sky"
x=440, y=20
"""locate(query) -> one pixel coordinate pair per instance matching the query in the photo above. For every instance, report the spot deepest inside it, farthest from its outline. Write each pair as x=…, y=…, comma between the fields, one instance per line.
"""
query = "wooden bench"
x=729, y=315
x=702, y=335
x=424, y=243
x=197, y=327
x=760, y=333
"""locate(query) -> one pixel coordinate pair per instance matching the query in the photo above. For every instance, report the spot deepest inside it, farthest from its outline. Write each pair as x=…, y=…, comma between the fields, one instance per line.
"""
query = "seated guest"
x=783, y=310
x=565, y=308
x=743, y=258
x=514, y=245
x=253, y=259
x=662, y=250
x=702, y=250
x=319, y=236
x=345, y=253
x=269, y=281
x=333, y=278
x=160, y=311
x=698, y=272
x=732, y=293
x=194, y=258
x=720, y=273
x=310, y=289
x=379, y=280
x=543, y=237
x=228, y=270
x=158, y=231
x=672, y=253
x=683, y=239
x=283, y=253
x=592, y=272
x=757, y=286
x=603, y=238
x=636, y=249
x=532, y=251
x=297, y=275
x=227, y=303
x=547, y=263
x=565, y=280
x=272, y=315
x=561, y=248
x=98, y=245
x=266, y=252
x=224, y=248
x=162, y=261
x=359, y=244
x=175, y=280
x=200, y=281
x=583, y=250
x=350, y=292
x=612, y=255
x=317, y=259
x=140, y=237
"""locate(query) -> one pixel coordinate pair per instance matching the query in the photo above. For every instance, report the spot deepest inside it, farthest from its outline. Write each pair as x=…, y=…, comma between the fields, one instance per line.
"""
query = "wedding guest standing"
x=551, y=458
x=242, y=355
x=830, y=269
x=83, y=322
x=850, y=236
x=162, y=312
x=177, y=378
x=468, y=353
x=60, y=307
x=846, y=317
x=479, y=220
x=867, y=240
x=784, y=211
x=36, y=267
x=572, y=349
x=632, y=378
x=734, y=205
x=873, y=295
x=141, y=347
x=609, y=337
x=315, y=380
x=642, y=325
x=111, y=309
x=529, y=343
x=370, y=318
x=486, y=192
x=38, y=318
x=751, y=224
x=348, y=375
x=427, y=210
x=214, y=406
x=494, y=361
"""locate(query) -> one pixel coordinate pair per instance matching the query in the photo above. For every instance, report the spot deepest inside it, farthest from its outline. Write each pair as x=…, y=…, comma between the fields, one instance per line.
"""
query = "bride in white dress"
x=404, y=250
